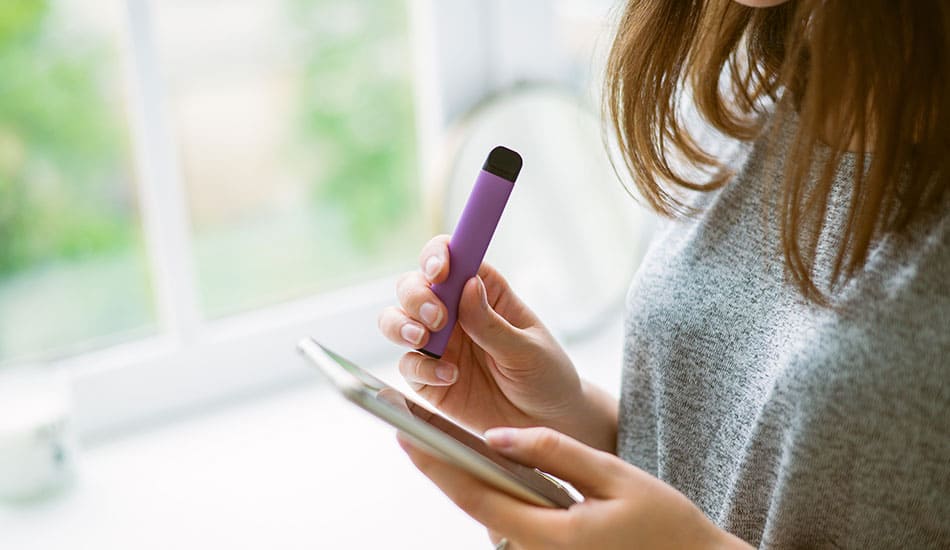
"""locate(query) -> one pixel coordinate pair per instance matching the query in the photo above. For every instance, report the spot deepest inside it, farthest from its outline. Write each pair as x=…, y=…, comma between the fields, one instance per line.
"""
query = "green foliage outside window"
x=60, y=144
x=356, y=125
x=73, y=269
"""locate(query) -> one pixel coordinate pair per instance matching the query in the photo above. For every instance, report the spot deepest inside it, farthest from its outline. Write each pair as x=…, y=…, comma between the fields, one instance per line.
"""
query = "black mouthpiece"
x=504, y=163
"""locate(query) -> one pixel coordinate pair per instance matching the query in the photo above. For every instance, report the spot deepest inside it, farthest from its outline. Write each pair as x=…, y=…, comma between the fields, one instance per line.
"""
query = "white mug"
x=37, y=447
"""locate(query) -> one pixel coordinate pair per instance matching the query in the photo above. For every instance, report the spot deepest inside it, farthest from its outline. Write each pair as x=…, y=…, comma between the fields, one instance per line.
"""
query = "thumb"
x=486, y=327
x=593, y=472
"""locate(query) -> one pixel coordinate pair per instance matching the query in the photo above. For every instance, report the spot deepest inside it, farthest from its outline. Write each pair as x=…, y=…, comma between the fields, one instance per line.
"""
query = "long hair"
x=867, y=76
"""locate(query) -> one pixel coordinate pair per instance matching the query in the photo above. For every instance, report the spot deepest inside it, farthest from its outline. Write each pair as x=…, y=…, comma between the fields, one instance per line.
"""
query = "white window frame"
x=463, y=50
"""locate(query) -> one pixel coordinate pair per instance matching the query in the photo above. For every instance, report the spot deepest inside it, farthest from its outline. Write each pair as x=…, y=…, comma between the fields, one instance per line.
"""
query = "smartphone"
x=436, y=433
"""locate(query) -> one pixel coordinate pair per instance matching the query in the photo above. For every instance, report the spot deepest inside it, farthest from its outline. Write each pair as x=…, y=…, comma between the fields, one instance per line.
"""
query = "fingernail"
x=433, y=265
x=445, y=373
x=500, y=437
x=482, y=293
x=431, y=314
x=412, y=333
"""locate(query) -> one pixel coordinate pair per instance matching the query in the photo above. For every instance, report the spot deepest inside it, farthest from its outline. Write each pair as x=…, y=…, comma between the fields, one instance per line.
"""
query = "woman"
x=786, y=372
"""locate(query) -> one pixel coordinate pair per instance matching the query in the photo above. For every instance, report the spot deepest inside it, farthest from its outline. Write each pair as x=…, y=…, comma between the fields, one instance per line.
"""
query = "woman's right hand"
x=501, y=367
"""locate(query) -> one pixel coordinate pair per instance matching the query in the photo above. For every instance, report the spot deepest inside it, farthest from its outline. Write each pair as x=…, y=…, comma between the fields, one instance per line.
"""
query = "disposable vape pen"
x=472, y=235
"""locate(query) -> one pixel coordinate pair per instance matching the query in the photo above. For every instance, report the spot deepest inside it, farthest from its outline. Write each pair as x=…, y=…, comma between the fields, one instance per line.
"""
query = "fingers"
x=487, y=328
x=419, y=302
x=400, y=329
x=494, y=509
x=503, y=299
x=421, y=370
x=593, y=472
x=434, y=259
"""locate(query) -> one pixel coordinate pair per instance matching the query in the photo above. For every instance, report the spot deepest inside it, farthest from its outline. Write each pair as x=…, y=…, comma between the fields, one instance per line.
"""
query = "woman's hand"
x=501, y=366
x=624, y=507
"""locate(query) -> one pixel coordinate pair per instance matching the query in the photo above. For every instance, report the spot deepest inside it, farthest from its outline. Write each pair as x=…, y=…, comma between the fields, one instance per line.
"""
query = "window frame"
x=463, y=50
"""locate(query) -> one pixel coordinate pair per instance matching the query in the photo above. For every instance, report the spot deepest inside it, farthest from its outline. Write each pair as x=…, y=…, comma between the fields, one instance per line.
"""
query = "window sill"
x=288, y=470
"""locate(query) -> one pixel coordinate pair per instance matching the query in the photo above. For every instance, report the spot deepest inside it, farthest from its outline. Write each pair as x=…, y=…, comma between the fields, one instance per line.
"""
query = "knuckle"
x=402, y=280
x=416, y=294
x=547, y=441
x=412, y=291
x=389, y=320
x=495, y=283
x=616, y=469
x=435, y=245
x=410, y=366
x=416, y=368
x=607, y=465
x=488, y=271
x=404, y=365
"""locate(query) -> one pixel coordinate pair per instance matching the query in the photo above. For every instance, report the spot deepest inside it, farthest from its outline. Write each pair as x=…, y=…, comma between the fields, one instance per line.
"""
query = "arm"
x=593, y=420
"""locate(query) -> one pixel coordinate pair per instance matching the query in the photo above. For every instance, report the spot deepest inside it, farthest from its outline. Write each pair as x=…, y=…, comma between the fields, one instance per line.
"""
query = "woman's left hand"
x=624, y=508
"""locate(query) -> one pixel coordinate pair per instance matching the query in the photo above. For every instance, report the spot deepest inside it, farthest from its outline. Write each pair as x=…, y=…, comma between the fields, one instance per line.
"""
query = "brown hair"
x=862, y=75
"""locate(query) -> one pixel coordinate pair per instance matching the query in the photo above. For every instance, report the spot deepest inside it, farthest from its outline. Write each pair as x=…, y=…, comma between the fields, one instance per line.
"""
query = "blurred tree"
x=356, y=112
x=60, y=143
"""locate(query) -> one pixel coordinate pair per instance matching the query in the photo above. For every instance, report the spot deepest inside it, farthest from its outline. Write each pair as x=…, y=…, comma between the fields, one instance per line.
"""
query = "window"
x=189, y=186
x=73, y=269
x=295, y=129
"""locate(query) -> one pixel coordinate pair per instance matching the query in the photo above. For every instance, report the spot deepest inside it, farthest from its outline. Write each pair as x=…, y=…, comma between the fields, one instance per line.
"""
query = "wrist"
x=591, y=418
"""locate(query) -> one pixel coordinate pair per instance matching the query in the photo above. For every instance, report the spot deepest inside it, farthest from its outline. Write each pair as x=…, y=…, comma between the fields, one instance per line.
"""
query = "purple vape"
x=472, y=235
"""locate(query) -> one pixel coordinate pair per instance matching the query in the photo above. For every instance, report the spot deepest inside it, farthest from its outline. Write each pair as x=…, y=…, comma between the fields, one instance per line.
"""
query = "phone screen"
x=395, y=400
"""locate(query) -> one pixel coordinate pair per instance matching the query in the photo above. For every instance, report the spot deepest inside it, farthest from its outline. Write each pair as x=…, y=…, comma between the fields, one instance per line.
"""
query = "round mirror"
x=571, y=236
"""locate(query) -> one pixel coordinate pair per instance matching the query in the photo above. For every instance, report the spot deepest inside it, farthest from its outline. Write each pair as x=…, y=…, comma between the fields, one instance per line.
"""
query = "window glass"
x=73, y=272
x=295, y=130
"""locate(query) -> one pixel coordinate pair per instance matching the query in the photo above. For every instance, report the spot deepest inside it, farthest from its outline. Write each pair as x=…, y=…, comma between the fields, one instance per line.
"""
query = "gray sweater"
x=788, y=424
